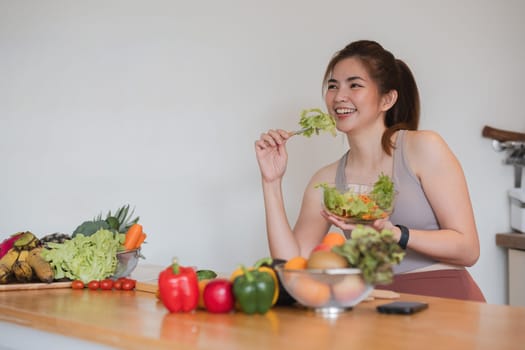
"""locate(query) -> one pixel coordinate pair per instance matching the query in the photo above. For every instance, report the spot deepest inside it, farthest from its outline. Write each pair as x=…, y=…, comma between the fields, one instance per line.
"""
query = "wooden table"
x=136, y=320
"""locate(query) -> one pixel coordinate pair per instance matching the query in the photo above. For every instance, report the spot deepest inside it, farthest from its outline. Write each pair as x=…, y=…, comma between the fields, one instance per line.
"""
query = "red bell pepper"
x=178, y=288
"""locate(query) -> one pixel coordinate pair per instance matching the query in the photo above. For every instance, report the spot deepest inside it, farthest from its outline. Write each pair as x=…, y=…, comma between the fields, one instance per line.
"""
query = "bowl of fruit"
x=326, y=291
x=340, y=273
x=359, y=203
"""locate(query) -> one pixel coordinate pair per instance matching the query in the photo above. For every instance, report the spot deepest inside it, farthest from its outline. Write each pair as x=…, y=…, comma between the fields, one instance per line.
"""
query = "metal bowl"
x=127, y=262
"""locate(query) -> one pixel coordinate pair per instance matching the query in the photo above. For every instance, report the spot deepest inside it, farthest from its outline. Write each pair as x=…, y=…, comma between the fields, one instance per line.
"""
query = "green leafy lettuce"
x=373, y=252
x=85, y=258
x=383, y=191
x=315, y=120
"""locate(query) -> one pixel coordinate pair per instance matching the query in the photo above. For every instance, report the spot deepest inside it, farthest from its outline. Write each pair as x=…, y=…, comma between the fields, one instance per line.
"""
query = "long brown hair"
x=389, y=74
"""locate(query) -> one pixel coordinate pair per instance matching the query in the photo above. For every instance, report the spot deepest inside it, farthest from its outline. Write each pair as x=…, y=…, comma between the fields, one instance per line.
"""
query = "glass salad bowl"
x=329, y=291
x=357, y=203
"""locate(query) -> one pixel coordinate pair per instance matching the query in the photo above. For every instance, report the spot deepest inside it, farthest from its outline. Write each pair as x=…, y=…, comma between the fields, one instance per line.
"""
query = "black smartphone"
x=402, y=307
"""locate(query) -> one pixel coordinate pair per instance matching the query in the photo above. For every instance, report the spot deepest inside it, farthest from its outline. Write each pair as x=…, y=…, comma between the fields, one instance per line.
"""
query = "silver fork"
x=298, y=132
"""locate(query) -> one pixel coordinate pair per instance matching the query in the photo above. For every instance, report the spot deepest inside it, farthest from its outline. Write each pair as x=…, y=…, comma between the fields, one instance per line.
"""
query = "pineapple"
x=121, y=221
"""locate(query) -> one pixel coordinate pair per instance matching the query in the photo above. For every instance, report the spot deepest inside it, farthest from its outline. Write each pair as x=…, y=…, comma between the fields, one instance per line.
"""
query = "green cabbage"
x=85, y=258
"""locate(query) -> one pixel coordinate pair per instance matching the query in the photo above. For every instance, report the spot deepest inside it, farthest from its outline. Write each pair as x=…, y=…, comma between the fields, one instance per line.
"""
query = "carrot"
x=141, y=240
x=132, y=236
x=365, y=198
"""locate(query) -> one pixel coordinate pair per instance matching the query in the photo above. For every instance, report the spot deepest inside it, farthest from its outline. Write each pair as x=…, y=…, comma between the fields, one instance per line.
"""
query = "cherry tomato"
x=128, y=285
x=93, y=285
x=117, y=284
x=106, y=284
x=77, y=284
x=127, y=279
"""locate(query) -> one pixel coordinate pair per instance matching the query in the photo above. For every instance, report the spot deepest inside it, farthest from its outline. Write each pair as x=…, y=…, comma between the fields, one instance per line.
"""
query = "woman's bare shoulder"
x=425, y=142
x=426, y=149
x=423, y=136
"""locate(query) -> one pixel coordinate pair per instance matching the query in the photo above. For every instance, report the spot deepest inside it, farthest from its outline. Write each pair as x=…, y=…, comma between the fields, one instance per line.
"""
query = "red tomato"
x=128, y=285
x=106, y=284
x=132, y=281
x=218, y=296
x=77, y=284
x=117, y=284
x=93, y=285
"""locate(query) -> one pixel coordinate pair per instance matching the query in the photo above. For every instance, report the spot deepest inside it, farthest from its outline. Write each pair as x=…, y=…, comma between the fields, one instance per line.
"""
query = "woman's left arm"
x=445, y=186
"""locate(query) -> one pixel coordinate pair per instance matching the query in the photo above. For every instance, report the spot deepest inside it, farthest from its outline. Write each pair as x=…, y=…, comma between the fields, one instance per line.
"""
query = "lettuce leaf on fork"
x=315, y=120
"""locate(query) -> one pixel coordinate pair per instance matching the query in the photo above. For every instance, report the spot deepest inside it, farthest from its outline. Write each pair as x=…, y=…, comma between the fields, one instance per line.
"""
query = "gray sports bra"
x=411, y=207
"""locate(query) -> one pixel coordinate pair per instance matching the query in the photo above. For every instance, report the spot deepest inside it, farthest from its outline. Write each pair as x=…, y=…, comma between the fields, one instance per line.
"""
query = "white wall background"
x=158, y=104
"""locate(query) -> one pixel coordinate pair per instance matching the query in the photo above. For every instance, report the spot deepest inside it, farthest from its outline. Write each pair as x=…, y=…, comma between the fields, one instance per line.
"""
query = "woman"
x=374, y=100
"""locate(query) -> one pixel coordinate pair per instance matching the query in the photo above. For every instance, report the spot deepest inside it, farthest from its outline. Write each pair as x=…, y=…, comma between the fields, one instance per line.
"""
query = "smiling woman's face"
x=352, y=97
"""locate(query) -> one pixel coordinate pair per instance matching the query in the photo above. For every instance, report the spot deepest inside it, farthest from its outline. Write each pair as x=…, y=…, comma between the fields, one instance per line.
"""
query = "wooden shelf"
x=511, y=240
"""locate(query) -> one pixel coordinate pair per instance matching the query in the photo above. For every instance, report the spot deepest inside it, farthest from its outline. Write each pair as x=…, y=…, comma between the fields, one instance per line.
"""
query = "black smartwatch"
x=405, y=235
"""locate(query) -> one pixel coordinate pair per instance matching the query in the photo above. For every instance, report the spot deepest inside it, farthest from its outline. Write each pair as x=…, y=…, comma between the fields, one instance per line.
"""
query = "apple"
x=322, y=247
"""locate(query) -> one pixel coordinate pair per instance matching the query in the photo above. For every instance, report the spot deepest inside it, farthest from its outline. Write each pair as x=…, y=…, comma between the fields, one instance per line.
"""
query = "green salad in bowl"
x=360, y=204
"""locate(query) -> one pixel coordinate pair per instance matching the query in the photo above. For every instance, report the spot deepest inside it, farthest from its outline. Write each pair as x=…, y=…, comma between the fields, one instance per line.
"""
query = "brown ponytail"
x=389, y=74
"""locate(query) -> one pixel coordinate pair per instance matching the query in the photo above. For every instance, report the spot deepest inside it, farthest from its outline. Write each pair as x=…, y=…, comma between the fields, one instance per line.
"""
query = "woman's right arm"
x=272, y=158
x=285, y=243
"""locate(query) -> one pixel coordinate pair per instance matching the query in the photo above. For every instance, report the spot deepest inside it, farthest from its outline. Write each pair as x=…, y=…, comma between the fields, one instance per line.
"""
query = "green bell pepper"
x=254, y=291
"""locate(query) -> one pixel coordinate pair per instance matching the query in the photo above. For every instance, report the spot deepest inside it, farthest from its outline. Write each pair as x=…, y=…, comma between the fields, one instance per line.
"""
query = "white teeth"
x=345, y=110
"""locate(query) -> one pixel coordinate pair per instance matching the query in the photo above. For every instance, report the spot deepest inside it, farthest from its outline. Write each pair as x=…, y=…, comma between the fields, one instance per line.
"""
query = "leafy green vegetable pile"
x=373, y=252
x=315, y=120
x=85, y=258
x=360, y=207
